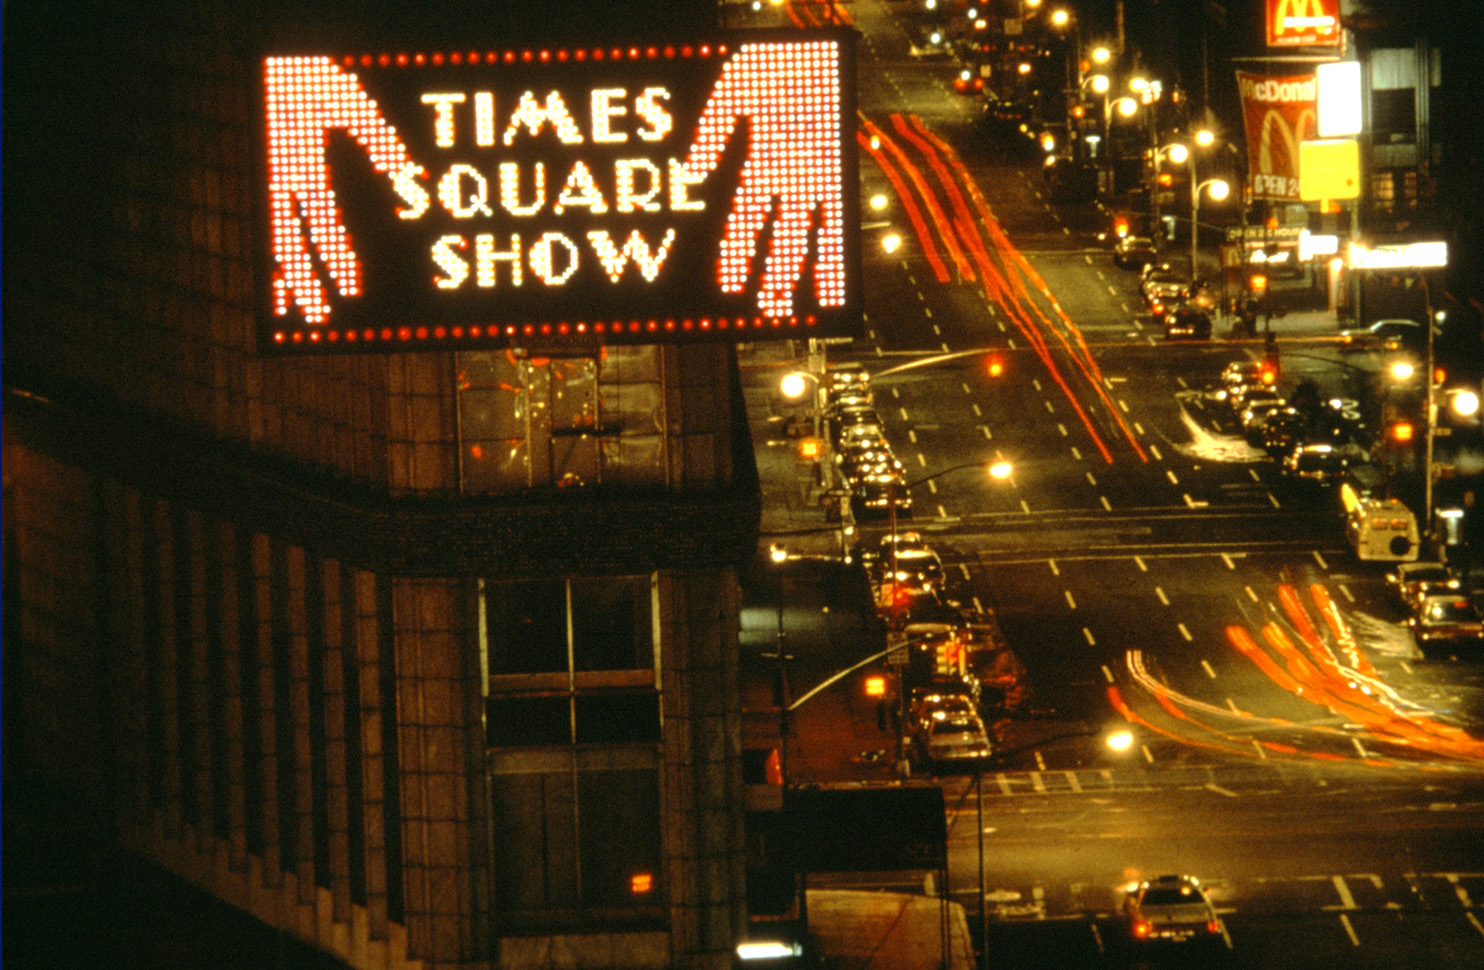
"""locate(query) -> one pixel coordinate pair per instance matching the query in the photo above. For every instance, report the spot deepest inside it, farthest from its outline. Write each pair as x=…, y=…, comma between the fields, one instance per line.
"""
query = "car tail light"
x=1142, y=928
x=1213, y=927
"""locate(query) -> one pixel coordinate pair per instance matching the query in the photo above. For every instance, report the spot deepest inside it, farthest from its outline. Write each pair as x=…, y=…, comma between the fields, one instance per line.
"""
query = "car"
x=862, y=452
x=847, y=375
x=1243, y=371
x=1164, y=286
x=1011, y=126
x=856, y=475
x=1446, y=619
x=953, y=737
x=880, y=494
x=1245, y=395
x=1282, y=430
x=898, y=542
x=1134, y=251
x=967, y=82
x=1414, y=580
x=1255, y=414
x=907, y=559
x=1007, y=117
x=1386, y=335
x=854, y=423
x=1321, y=464
x=929, y=705
x=846, y=398
x=1188, y=319
x=1068, y=180
x=1174, y=911
x=915, y=568
x=929, y=42
x=1235, y=375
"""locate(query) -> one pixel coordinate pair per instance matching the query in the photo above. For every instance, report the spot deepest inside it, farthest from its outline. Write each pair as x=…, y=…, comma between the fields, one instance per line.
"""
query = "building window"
x=529, y=421
x=573, y=729
x=576, y=839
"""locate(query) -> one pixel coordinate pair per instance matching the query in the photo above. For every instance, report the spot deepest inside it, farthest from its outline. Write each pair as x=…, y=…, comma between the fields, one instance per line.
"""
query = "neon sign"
x=582, y=196
x=1303, y=23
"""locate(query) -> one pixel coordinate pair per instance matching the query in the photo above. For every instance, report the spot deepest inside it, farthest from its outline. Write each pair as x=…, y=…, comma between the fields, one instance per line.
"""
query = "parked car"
x=1446, y=619
x=1134, y=251
x=1414, y=580
x=1386, y=335
x=1173, y=911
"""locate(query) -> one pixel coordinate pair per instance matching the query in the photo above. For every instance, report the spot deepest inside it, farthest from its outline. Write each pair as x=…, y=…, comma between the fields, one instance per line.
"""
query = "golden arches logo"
x=1296, y=21
x=1290, y=135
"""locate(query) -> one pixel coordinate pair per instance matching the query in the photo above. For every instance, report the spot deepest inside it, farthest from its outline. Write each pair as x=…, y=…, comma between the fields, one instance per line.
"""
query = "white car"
x=1173, y=911
x=951, y=736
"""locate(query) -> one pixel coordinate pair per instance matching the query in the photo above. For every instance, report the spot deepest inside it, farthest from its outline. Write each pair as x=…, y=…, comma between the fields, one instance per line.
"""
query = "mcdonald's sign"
x=1279, y=115
x=1303, y=23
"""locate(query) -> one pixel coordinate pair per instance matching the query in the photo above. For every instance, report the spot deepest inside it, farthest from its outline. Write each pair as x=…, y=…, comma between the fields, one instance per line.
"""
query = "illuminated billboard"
x=436, y=200
x=1278, y=113
x=1303, y=23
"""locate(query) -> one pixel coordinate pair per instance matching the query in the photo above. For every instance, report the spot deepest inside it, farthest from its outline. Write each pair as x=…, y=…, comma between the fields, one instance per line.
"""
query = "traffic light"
x=1258, y=283
x=810, y=448
x=876, y=685
x=1270, y=369
x=1120, y=226
x=1166, y=179
x=1402, y=431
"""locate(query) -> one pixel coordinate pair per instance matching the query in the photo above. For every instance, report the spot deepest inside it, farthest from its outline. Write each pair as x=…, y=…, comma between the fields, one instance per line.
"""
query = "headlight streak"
x=1313, y=674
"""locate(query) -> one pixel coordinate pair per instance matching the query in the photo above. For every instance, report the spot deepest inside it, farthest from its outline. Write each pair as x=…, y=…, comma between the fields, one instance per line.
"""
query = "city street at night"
x=744, y=485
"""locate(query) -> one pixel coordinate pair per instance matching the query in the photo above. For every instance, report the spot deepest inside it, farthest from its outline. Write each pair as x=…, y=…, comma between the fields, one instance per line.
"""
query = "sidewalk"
x=853, y=930
x=889, y=931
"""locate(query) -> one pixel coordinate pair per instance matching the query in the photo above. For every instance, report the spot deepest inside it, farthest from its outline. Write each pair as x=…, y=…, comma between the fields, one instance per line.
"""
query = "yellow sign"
x=1329, y=169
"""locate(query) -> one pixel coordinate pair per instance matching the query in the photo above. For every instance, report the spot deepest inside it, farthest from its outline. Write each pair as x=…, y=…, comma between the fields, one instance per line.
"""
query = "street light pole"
x=1218, y=191
x=779, y=555
x=1117, y=741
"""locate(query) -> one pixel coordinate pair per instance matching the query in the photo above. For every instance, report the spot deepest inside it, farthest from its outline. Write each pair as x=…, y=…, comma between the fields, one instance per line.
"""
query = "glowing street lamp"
x=1176, y=153
x=1218, y=190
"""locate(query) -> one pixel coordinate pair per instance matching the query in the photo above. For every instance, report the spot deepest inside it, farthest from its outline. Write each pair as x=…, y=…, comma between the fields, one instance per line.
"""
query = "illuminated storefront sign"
x=549, y=197
x=1279, y=115
x=1417, y=255
x=1303, y=23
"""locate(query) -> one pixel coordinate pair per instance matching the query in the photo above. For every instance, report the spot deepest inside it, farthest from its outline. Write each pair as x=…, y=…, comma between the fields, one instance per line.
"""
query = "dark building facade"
x=428, y=659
